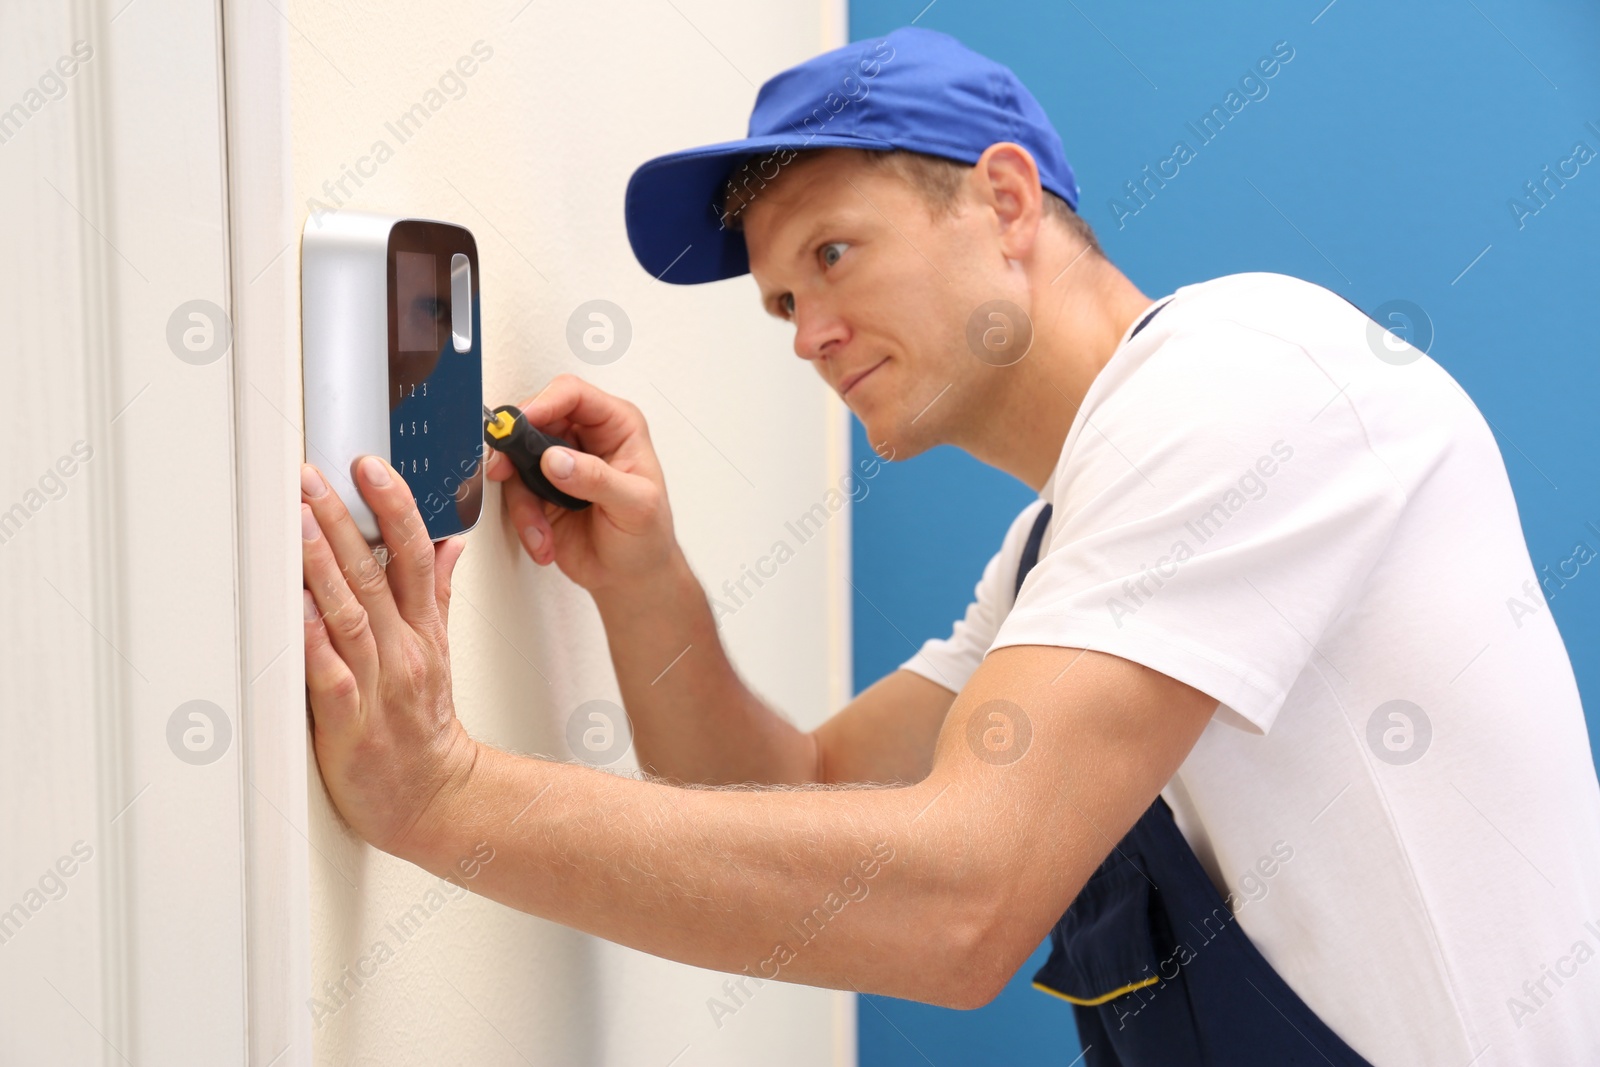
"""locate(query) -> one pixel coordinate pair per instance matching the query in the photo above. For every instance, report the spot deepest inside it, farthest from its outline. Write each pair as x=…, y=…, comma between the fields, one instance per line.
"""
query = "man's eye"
x=832, y=251
x=786, y=301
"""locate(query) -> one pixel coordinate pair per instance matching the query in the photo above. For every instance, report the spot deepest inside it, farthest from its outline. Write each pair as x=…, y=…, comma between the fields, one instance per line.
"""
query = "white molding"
x=264, y=260
x=158, y=156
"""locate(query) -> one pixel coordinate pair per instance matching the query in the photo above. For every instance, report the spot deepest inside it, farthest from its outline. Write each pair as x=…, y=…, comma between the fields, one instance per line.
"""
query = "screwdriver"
x=506, y=429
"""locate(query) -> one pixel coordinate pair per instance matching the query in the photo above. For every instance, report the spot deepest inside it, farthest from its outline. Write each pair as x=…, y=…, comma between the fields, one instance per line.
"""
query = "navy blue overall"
x=1155, y=965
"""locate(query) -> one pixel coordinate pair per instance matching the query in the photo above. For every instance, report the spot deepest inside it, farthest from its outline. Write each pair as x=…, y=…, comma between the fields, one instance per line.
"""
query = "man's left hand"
x=377, y=658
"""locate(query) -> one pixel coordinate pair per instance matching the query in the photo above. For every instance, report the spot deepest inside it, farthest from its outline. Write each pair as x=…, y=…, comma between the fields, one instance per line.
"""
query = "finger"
x=410, y=567
x=445, y=555
x=629, y=500
x=530, y=518
x=352, y=556
x=599, y=421
x=345, y=618
x=498, y=468
x=335, y=696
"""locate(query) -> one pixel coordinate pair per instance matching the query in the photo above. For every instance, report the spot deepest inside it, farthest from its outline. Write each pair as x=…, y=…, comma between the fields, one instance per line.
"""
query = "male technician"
x=1264, y=648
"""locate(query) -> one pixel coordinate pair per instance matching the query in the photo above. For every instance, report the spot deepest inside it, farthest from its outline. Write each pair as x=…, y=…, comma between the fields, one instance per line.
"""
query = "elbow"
x=983, y=951
x=971, y=993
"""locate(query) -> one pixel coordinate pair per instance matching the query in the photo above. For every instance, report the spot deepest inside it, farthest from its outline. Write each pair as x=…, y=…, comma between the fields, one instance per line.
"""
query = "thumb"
x=629, y=500
x=445, y=555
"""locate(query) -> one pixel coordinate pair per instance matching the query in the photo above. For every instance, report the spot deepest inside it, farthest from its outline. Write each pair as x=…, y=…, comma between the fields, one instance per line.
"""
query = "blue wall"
x=1381, y=163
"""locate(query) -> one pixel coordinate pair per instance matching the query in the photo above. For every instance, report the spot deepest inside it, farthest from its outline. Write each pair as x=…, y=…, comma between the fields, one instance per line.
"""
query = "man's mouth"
x=850, y=382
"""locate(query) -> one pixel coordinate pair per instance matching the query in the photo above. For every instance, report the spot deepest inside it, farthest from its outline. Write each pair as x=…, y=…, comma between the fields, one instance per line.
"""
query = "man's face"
x=880, y=292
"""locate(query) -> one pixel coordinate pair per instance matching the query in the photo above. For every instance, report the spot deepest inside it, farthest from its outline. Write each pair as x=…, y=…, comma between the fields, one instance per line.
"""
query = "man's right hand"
x=626, y=535
x=700, y=722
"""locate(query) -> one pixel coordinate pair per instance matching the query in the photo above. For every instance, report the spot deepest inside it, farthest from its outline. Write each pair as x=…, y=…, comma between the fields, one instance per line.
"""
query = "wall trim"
x=264, y=262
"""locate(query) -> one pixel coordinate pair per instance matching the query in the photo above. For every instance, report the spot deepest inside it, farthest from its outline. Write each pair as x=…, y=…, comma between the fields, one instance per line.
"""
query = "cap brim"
x=672, y=207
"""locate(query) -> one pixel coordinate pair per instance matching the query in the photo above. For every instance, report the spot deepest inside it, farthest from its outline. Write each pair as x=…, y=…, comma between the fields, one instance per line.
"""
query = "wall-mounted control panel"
x=394, y=361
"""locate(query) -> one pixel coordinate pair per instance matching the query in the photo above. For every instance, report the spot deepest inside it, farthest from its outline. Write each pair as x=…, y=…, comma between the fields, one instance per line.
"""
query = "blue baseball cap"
x=915, y=89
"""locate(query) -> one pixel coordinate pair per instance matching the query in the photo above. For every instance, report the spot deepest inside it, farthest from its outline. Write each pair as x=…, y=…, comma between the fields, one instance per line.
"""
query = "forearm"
x=693, y=718
x=840, y=888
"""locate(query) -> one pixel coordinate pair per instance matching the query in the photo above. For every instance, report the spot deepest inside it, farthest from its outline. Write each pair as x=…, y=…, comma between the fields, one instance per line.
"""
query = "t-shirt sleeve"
x=950, y=661
x=1213, y=516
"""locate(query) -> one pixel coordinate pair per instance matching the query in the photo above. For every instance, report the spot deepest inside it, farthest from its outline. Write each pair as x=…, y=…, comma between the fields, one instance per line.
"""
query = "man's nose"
x=818, y=331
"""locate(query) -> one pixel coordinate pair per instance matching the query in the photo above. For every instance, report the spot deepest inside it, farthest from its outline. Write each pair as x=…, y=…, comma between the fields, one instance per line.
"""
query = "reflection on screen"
x=417, y=293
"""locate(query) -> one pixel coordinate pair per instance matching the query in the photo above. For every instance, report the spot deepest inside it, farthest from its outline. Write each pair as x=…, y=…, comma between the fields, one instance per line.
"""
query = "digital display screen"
x=435, y=391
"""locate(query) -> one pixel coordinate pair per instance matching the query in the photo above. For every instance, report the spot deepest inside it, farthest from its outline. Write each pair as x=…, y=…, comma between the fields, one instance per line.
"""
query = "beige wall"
x=532, y=153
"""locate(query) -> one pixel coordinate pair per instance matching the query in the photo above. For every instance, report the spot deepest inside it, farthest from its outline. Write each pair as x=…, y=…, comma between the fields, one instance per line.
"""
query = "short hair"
x=938, y=180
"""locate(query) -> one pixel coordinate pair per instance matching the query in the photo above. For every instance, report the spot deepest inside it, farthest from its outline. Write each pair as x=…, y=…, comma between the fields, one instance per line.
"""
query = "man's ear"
x=1006, y=180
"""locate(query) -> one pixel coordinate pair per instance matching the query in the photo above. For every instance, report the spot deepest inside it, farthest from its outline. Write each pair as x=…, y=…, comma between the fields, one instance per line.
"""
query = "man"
x=1256, y=741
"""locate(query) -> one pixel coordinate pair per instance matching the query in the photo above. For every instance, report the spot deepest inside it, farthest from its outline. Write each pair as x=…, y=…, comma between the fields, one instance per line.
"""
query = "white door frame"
x=161, y=569
x=264, y=253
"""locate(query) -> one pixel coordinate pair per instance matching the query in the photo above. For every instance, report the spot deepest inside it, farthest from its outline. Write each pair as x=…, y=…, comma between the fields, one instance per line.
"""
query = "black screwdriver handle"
x=506, y=429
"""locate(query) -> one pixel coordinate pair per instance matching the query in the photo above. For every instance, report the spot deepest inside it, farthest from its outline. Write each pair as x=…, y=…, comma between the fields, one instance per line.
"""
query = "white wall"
x=532, y=154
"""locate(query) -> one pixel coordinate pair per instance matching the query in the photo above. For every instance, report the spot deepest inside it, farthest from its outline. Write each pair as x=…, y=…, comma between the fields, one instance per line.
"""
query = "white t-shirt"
x=1252, y=501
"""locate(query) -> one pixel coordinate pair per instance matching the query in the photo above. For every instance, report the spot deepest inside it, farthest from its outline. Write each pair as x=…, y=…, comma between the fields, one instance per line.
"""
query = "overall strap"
x=1030, y=551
